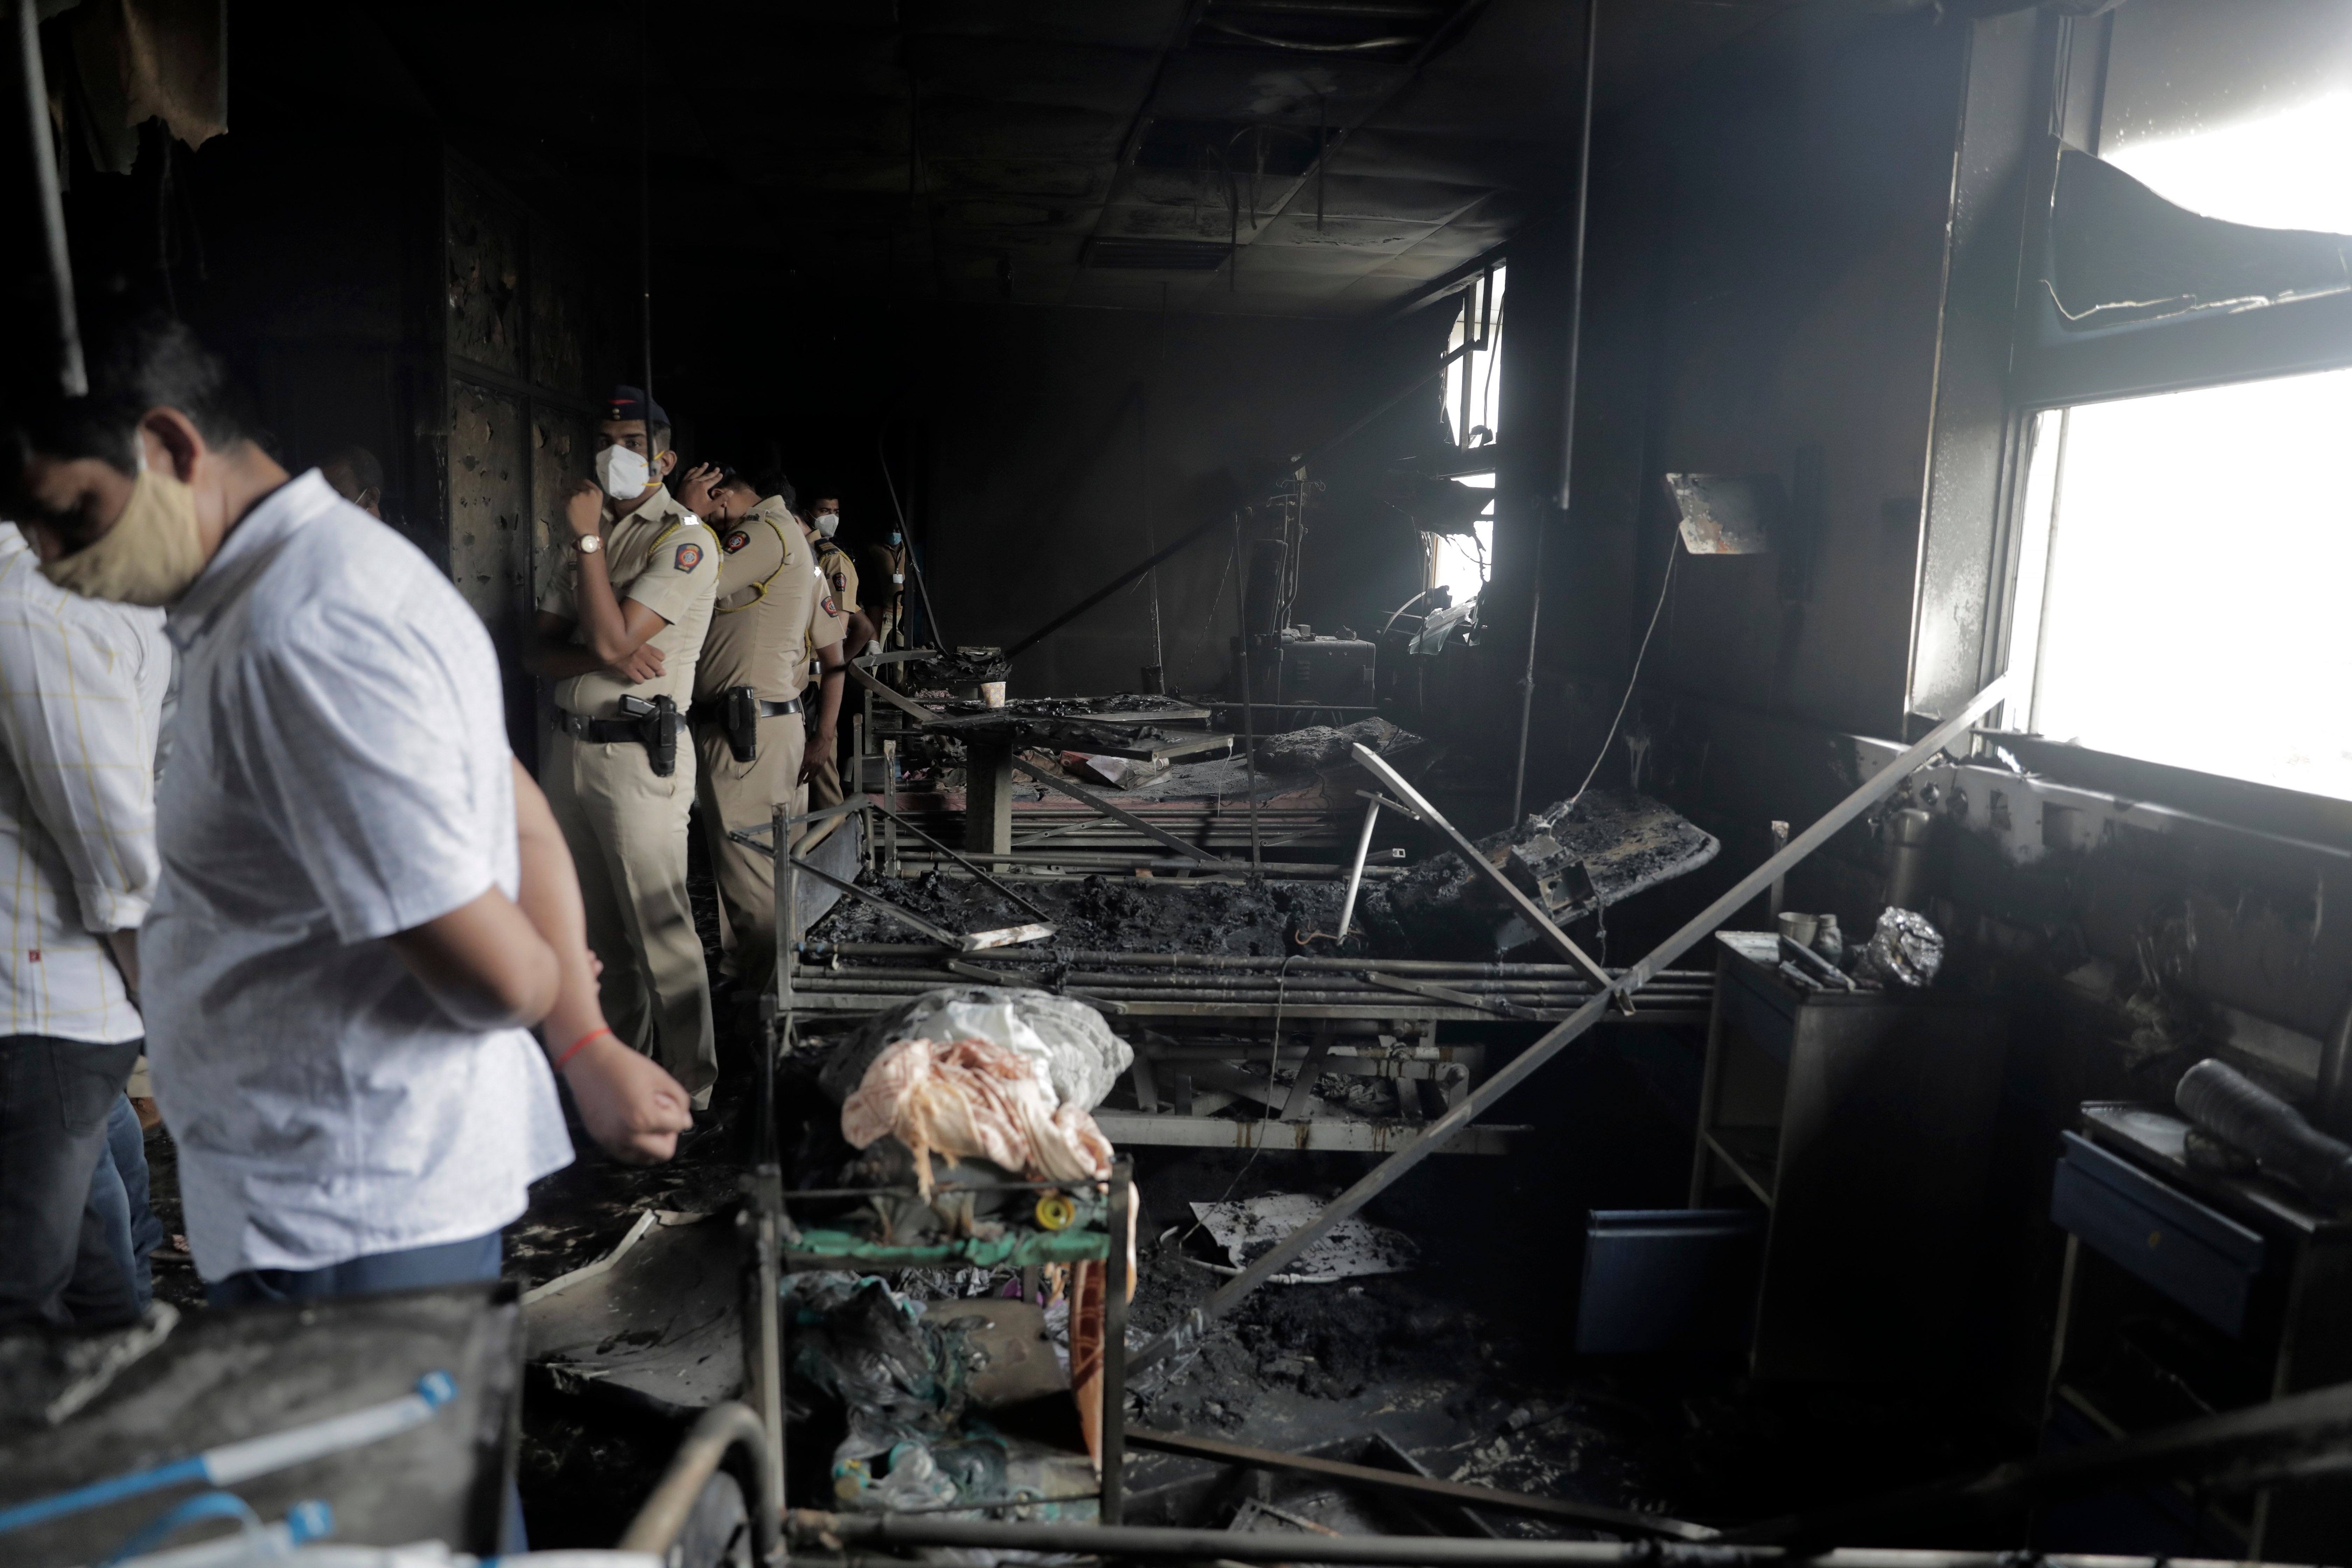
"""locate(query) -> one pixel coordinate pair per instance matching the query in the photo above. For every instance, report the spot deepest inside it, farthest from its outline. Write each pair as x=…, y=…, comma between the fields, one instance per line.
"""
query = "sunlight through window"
x=2196, y=545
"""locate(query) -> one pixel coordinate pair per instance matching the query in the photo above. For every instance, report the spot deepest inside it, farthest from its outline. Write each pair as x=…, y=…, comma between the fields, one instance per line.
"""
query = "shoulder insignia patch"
x=841, y=582
x=829, y=609
x=737, y=541
x=689, y=556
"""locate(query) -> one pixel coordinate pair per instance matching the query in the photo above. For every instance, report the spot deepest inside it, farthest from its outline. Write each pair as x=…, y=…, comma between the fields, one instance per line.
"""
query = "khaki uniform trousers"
x=628, y=830
x=736, y=796
x=824, y=779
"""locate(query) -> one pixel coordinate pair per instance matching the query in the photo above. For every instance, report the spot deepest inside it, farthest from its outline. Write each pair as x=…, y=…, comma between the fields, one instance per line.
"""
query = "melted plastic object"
x=1906, y=950
x=2244, y=1115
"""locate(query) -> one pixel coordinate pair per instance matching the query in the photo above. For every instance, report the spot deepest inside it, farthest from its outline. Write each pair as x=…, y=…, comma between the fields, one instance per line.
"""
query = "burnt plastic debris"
x=1906, y=950
x=1324, y=746
x=902, y=1383
x=2246, y=1116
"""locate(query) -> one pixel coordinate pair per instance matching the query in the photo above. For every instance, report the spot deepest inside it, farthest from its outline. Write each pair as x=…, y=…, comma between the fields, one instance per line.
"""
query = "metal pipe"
x=664, y=1513
x=2313, y=1425
x=1114, y=860
x=29, y=88
x=1282, y=1254
x=1249, y=725
x=960, y=860
x=1568, y=421
x=1088, y=798
x=1460, y=1494
x=1437, y=968
x=1373, y=997
x=1534, y=913
x=1355, y=869
x=808, y=1528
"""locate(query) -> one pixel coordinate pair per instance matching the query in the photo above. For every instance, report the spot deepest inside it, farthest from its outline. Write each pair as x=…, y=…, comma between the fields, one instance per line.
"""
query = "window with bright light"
x=2240, y=110
x=1461, y=562
x=2188, y=555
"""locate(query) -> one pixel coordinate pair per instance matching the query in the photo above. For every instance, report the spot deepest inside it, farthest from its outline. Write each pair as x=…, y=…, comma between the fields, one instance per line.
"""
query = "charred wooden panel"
x=484, y=281
x=489, y=544
x=559, y=315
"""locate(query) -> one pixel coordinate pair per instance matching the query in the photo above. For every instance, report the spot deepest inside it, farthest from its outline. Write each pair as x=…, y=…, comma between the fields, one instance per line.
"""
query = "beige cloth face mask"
x=152, y=554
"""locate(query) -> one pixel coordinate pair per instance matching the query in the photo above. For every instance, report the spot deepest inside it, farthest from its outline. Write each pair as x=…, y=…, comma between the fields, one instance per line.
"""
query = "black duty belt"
x=652, y=725
x=604, y=731
x=716, y=712
x=737, y=712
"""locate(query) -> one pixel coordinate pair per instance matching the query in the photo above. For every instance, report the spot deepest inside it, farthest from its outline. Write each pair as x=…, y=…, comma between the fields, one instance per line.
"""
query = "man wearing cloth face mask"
x=619, y=631
x=363, y=899
x=840, y=575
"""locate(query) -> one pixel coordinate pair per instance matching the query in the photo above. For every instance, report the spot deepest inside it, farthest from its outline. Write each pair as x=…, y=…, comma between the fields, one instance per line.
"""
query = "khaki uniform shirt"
x=660, y=556
x=841, y=573
x=770, y=613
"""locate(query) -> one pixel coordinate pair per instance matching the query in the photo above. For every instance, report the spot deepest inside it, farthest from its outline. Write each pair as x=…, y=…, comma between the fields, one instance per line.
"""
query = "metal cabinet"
x=2188, y=1291
x=1862, y=1123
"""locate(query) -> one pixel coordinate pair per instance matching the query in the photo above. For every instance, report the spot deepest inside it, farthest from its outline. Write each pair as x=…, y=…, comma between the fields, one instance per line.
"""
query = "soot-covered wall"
x=1768, y=272
x=1040, y=450
x=1764, y=274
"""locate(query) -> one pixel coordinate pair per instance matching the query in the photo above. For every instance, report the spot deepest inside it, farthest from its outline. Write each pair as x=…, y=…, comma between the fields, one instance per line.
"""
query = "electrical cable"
x=1632, y=680
x=1273, y=1063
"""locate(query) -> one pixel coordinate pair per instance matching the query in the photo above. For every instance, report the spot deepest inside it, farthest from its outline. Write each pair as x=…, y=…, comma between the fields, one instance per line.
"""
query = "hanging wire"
x=1632, y=681
x=1273, y=1063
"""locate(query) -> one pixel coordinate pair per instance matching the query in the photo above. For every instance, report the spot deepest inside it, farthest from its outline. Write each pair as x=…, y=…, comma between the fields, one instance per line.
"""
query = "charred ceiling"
x=1294, y=157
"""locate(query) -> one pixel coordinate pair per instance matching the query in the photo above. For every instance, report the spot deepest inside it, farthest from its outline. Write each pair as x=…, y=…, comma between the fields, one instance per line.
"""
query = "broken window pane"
x=1473, y=416
x=1461, y=560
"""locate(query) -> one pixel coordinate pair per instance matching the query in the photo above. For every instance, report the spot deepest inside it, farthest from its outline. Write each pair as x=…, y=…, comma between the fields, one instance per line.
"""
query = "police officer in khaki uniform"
x=619, y=630
x=888, y=562
x=840, y=574
x=773, y=612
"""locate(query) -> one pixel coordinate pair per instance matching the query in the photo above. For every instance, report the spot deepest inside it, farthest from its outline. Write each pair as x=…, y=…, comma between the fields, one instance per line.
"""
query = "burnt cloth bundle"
x=966, y=1097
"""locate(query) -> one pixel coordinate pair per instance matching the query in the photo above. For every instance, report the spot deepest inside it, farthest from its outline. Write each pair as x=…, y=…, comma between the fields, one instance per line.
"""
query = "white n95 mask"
x=826, y=521
x=621, y=473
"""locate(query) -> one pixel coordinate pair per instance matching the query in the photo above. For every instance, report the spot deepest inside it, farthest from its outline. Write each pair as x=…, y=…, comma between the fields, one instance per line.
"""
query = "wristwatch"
x=588, y=544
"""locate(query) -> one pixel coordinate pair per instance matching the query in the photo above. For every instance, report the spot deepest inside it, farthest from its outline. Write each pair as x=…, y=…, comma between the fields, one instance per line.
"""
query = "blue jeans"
x=118, y=1194
x=452, y=1263
x=59, y=1261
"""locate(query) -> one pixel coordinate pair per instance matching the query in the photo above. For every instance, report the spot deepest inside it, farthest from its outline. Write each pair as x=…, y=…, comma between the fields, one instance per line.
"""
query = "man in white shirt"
x=82, y=690
x=363, y=902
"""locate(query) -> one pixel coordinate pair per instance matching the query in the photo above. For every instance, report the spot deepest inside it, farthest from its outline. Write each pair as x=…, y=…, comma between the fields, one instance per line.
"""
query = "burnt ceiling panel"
x=1265, y=156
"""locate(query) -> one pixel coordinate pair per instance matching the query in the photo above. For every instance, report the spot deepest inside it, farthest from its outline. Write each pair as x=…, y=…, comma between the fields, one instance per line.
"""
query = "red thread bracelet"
x=573, y=1049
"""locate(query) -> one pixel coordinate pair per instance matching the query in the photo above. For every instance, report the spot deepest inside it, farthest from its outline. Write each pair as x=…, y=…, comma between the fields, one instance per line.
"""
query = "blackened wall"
x=1040, y=450
x=1764, y=273
x=1769, y=271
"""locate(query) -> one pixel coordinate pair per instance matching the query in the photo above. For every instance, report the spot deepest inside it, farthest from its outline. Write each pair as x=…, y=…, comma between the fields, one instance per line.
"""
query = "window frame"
x=2058, y=79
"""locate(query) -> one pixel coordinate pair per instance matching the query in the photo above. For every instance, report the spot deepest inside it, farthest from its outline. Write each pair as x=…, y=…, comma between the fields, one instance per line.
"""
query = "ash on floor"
x=1466, y=1364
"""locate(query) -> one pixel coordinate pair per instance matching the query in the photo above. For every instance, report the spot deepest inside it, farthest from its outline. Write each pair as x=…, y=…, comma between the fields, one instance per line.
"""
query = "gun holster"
x=657, y=723
x=742, y=723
